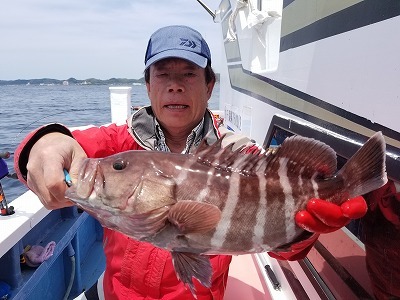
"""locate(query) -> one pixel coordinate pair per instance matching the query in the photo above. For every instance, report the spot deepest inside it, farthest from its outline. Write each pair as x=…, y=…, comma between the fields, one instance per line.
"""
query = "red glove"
x=297, y=251
x=321, y=216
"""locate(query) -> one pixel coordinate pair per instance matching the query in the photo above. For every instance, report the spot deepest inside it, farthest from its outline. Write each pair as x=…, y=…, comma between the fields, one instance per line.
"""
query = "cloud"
x=90, y=38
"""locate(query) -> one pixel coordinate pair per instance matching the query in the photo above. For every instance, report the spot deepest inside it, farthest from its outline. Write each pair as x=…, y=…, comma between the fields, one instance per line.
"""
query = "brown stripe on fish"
x=196, y=179
x=315, y=186
x=290, y=204
x=261, y=214
x=275, y=207
x=243, y=218
x=241, y=215
x=219, y=178
x=192, y=179
x=228, y=210
x=183, y=171
x=303, y=187
x=297, y=191
x=217, y=195
x=220, y=186
x=207, y=183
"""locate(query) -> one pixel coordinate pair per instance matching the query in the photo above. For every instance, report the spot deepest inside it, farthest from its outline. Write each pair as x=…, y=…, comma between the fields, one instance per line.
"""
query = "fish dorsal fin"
x=306, y=156
x=194, y=217
x=245, y=159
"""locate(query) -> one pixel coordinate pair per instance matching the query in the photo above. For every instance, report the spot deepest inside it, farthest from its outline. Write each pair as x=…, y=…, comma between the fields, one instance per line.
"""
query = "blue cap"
x=180, y=42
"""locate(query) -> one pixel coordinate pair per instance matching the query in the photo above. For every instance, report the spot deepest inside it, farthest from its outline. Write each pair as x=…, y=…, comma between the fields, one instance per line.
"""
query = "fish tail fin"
x=365, y=171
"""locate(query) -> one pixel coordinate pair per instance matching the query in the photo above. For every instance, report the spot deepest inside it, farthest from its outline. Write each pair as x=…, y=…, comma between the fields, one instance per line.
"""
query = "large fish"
x=220, y=201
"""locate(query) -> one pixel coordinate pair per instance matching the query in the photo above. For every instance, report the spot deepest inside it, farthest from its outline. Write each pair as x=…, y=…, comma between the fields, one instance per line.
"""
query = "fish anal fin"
x=190, y=265
x=194, y=217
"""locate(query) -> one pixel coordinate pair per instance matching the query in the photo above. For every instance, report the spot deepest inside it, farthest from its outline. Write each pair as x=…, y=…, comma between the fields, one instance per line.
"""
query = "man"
x=380, y=233
x=179, y=81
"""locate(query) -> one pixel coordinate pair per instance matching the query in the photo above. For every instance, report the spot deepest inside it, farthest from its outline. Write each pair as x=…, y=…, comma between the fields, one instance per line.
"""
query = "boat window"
x=362, y=260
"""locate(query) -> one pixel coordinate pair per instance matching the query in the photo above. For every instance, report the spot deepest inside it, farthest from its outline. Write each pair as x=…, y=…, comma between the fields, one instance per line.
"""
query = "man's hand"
x=49, y=156
x=321, y=216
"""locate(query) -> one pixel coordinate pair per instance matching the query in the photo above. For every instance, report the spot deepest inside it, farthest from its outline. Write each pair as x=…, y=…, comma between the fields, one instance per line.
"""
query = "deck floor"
x=244, y=280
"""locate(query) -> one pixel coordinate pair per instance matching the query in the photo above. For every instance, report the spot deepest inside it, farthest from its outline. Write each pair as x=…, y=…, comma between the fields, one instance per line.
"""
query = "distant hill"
x=73, y=81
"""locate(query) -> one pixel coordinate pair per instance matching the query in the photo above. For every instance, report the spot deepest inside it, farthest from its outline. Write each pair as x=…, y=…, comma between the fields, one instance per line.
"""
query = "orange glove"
x=321, y=216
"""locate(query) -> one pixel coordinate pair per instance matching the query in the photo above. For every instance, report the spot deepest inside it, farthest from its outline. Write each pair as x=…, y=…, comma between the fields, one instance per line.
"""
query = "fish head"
x=126, y=182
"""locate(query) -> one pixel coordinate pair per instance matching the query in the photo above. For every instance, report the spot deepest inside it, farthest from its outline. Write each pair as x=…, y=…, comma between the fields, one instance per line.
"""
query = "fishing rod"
x=52, y=115
x=207, y=9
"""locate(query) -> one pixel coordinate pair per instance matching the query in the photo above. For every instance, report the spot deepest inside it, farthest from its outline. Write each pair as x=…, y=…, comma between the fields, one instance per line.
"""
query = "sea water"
x=24, y=108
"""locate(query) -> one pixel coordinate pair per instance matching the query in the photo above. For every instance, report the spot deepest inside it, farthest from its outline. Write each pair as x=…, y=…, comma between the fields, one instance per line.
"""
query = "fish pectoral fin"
x=194, y=217
x=189, y=265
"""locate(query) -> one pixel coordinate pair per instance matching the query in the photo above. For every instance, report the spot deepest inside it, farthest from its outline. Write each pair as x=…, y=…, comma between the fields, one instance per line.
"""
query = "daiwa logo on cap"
x=187, y=43
x=179, y=42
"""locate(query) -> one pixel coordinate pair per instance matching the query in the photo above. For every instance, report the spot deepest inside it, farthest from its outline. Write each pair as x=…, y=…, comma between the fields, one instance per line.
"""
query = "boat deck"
x=245, y=280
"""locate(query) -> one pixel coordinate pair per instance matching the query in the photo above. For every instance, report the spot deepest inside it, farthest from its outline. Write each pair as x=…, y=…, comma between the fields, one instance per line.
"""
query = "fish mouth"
x=88, y=178
x=90, y=189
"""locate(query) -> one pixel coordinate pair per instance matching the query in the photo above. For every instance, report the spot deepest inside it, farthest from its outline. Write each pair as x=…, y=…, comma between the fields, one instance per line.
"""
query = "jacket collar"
x=141, y=126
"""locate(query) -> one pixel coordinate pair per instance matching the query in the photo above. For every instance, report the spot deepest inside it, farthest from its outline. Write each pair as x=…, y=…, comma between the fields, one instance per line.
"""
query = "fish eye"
x=119, y=165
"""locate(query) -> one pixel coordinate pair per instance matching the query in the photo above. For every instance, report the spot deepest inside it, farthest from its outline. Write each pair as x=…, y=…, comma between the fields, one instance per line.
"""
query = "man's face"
x=178, y=93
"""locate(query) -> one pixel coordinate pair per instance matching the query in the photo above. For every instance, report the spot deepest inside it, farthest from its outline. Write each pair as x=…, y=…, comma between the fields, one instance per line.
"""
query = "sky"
x=92, y=38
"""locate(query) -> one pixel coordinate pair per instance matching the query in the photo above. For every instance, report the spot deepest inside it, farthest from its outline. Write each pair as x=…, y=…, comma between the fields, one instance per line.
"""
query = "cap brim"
x=199, y=60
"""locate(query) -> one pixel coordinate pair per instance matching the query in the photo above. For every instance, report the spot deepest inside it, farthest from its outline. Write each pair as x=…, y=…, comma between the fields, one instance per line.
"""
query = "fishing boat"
x=322, y=69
